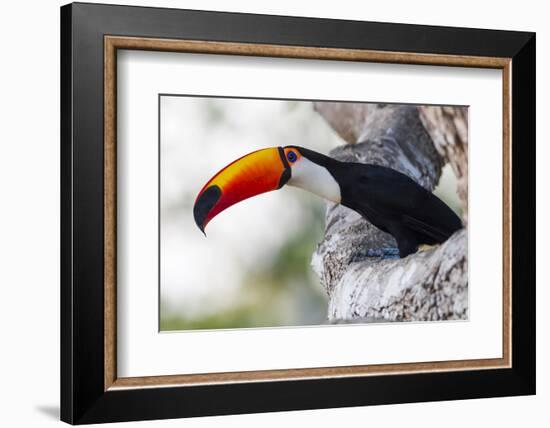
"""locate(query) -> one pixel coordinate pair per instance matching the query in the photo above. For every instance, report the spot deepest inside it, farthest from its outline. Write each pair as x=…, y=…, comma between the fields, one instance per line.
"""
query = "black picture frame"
x=83, y=396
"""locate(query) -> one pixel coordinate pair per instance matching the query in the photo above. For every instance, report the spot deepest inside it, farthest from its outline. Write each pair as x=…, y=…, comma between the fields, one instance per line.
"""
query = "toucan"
x=388, y=199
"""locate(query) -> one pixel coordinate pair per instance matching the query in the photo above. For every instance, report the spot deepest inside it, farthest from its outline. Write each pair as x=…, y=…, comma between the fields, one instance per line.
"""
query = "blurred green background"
x=280, y=291
x=253, y=269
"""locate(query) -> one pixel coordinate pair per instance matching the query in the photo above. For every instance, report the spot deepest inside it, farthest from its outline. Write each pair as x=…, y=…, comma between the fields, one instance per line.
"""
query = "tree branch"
x=448, y=129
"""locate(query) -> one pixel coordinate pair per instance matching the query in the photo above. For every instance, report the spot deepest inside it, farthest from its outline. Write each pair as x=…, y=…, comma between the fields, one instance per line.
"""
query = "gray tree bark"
x=448, y=129
x=430, y=285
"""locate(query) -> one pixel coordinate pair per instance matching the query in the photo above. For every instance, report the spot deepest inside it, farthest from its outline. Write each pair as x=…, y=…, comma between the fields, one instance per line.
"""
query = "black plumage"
x=392, y=202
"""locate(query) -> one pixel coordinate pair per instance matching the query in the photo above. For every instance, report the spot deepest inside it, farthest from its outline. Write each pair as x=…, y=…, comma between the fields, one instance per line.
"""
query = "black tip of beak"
x=204, y=204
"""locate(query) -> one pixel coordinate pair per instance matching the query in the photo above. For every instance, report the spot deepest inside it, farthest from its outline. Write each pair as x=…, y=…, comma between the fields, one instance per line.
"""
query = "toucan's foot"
x=384, y=253
x=426, y=247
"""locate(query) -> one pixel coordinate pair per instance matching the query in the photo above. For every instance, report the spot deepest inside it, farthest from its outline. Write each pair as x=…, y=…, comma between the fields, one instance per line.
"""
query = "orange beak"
x=258, y=172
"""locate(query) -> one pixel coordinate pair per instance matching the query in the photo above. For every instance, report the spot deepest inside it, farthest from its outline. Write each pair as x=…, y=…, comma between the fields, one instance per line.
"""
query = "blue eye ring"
x=291, y=156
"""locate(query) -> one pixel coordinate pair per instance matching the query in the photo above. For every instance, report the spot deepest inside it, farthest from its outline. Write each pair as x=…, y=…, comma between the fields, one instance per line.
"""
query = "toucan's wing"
x=394, y=198
x=433, y=231
x=430, y=216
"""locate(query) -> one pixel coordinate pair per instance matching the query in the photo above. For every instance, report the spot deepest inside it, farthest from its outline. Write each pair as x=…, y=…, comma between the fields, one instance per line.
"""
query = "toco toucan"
x=388, y=199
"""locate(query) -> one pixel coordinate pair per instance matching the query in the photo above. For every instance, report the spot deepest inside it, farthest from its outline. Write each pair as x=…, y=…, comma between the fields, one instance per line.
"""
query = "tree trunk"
x=448, y=128
x=430, y=285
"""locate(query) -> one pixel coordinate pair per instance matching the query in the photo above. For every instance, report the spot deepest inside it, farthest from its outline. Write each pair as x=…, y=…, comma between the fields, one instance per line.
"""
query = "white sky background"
x=199, y=136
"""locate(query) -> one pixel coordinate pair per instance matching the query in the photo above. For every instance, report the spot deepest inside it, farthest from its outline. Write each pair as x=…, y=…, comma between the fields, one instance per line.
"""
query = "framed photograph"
x=265, y=213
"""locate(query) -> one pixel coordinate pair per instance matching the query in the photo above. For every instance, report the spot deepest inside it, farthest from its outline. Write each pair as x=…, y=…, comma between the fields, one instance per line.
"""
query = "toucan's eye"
x=291, y=156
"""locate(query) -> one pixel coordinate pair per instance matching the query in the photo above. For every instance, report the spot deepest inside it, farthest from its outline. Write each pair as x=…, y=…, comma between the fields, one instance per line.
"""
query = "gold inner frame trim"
x=113, y=43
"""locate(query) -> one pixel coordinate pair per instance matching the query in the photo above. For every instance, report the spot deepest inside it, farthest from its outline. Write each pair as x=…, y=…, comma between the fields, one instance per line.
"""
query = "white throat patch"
x=316, y=179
